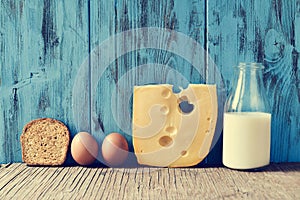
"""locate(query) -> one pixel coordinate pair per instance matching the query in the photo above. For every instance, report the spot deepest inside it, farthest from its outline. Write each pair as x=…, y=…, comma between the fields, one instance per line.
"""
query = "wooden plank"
x=113, y=74
x=43, y=43
x=37, y=180
x=93, y=184
x=59, y=177
x=10, y=173
x=93, y=190
x=277, y=181
x=5, y=171
x=262, y=31
x=10, y=182
x=23, y=180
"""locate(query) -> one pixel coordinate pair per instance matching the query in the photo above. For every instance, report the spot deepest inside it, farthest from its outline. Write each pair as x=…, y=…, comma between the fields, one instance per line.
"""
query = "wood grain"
x=277, y=181
x=263, y=31
x=45, y=46
x=111, y=92
x=42, y=45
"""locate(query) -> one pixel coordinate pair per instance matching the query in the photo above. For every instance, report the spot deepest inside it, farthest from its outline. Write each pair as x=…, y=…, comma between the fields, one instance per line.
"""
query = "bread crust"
x=45, y=141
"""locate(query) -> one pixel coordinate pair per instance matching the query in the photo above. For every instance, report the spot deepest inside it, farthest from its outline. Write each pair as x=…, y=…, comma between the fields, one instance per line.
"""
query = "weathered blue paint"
x=263, y=31
x=44, y=43
x=183, y=16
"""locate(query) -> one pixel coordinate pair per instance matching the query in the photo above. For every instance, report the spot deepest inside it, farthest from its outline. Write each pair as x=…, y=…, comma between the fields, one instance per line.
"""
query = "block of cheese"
x=165, y=134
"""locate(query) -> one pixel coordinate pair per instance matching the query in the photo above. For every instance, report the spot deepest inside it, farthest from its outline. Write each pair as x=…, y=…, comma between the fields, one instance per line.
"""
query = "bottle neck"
x=249, y=78
x=248, y=93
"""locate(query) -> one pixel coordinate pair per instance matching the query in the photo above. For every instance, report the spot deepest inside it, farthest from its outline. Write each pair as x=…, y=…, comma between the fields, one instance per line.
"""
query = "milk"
x=246, y=139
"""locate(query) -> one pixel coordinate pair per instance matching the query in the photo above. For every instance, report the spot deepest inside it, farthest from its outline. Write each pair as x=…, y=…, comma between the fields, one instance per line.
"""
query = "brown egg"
x=84, y=148
x=114, y=149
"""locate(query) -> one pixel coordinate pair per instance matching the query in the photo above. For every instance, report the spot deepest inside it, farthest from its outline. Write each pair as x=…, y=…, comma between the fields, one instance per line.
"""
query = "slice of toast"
x=45, y=142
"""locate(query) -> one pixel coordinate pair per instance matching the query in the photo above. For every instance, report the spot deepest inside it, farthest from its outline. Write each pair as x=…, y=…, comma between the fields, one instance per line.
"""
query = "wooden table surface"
x=277, y=181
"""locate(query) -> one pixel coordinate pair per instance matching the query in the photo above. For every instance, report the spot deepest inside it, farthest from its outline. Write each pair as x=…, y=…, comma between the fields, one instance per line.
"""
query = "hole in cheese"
x=176, y=89
x=165, y=141
x=182, y=98
x=164, y=110
x=166, y=93
x=184, y=153
x=207, y=132
x=185, y=107
x=171, y=129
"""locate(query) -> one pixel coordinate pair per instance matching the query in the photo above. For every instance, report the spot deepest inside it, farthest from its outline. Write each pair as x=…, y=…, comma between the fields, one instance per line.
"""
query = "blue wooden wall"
x=48, y=66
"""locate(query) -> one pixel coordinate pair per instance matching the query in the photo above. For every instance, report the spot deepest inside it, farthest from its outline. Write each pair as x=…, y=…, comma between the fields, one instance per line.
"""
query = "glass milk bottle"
x=247, y=120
